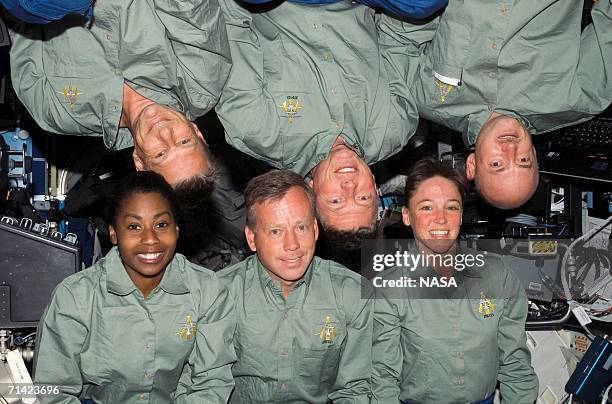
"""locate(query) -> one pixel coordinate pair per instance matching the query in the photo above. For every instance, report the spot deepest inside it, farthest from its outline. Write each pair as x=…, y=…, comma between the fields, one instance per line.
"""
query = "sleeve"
x=386, y=350
x=247, y=109
x=518, y=381
x=588, y=85
x=208, y=376
x=400, y=44
x=595, y=64
x=66, y=91
x=196, y=32
x=60, y=337
x=355, y=368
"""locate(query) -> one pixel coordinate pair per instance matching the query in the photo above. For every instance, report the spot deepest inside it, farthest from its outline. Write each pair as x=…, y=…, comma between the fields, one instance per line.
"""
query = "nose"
x=348, y=184
x=149, y=236
x=440, y=216
x=510, y=144
x=165, y=132
x=290, y=241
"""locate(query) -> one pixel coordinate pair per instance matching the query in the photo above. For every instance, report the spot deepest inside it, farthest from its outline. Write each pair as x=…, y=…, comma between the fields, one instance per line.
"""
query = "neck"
x=339, y=141
x=146, y=284
x=285, y=289
x=439, y=262
x=133, y=104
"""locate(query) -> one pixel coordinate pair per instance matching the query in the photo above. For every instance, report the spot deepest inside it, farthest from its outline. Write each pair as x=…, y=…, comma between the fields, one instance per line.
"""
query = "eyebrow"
x=429, y=200
x=500, y=169
x=135, y=216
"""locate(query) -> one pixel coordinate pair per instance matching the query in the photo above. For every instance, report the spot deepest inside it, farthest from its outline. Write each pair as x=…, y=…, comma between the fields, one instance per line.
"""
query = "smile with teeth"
x=150, y=256
x=438, y=232
x=345, y=170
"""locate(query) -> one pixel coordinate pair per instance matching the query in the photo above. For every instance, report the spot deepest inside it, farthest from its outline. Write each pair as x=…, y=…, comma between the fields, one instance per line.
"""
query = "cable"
x=600, y=229
x=564, y=282
x=523, y=218
x=561, y=231
x=604, y=400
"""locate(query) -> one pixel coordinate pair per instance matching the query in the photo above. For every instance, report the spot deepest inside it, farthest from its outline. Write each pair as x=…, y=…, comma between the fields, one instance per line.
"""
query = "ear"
x=316, y=229
x=470, y=166
x=138, y=163
x=406, y=216
x=250, y=236
x=197, y=132
x=112, y=233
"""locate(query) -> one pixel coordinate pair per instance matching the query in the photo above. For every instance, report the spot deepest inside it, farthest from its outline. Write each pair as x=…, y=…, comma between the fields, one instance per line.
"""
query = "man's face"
x=146, y=234
x=504, y=164
x=345, y=191
x=434, y=213
x=284, y=236
x=167, y=143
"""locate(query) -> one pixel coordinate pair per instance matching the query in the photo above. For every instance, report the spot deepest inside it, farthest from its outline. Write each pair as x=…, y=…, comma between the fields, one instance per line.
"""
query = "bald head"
x=507, y=191
x=504, y=166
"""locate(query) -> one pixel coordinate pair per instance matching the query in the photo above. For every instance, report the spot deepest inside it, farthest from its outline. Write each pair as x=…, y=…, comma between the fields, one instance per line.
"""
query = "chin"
x=440, y=246
x=151, y=272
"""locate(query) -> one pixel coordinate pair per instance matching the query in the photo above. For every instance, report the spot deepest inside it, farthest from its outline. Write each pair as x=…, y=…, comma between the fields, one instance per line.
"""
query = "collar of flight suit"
x=267, y=282
x=119, y=282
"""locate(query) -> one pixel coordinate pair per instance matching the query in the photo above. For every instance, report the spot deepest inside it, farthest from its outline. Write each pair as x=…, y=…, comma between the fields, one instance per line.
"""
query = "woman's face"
x=146, y=234
x=434, y=213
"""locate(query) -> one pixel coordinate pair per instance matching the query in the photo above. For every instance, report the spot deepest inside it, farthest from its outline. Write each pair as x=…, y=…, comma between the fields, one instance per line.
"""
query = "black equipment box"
x=31, y=266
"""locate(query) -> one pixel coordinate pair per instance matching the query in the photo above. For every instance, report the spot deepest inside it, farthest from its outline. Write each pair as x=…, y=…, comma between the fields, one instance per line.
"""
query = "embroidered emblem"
x=486, y=308
x=71, y=94
x=187, y=330
x=328, y=331
x=291, y=107
x=443, y=90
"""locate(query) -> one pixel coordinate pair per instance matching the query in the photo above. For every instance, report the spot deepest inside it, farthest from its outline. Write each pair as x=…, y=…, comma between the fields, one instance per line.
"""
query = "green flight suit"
x=100, y=339
x=69, y=74
x=452, y=345
x=302, y=76
x=313, y=347
x=522, y=58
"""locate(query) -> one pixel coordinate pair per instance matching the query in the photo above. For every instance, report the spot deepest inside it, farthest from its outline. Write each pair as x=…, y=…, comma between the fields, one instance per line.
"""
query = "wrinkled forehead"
x=295, y=202
x=350, y=218
x=184, y=164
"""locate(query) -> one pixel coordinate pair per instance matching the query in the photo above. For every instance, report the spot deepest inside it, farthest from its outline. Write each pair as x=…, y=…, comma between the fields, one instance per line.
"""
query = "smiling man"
x=504, y=166
x=165, y=141
x=345, y=193
x=304, y=331
x=502, y=71
x=311, y=90
x=104, y=78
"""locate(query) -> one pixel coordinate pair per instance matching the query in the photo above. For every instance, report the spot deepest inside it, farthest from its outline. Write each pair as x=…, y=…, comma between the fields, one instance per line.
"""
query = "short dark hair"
x=192, y=191
x=349, y=239
x=143, y=182
x=430, y=167
x=273, y=186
